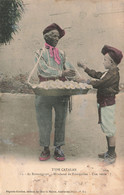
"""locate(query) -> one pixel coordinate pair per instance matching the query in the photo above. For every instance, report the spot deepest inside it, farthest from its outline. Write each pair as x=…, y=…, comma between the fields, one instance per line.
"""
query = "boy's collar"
x=114, y=68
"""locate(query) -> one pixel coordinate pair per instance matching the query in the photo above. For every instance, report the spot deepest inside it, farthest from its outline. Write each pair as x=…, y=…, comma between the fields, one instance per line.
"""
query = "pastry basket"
x=57, y=87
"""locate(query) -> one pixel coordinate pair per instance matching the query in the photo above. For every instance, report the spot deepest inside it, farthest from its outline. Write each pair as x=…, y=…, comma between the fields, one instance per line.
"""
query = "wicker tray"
x=59, y=92
x=73, y=89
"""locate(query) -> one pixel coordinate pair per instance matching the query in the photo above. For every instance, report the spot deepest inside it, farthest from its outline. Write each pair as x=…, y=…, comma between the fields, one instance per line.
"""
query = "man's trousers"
x=44, y=105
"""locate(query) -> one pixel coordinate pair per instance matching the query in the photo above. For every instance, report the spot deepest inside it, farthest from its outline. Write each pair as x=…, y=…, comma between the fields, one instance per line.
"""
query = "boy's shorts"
x=108, y=120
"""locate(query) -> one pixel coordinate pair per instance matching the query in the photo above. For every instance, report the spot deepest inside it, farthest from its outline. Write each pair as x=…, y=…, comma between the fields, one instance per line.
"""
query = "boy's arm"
x=93, y=73
x=105, y=82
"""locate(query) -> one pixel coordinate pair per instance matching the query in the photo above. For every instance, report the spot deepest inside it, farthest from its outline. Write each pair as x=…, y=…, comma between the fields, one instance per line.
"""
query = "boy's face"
x=107, y=61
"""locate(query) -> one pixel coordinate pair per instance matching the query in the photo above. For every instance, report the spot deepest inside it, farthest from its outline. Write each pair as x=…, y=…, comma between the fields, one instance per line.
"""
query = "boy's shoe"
x=59, y=155
x=110, y=159
x=103, y=155
x=45, y=155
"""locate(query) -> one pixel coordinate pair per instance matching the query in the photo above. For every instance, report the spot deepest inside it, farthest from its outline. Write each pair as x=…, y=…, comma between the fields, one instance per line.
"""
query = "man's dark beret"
x=54, y=26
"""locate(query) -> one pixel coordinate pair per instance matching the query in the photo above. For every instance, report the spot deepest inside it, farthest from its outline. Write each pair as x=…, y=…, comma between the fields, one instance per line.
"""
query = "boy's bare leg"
x=112, y=141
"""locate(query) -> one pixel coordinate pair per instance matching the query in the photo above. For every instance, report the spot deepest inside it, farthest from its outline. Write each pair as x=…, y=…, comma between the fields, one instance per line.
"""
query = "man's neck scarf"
x=54, y=52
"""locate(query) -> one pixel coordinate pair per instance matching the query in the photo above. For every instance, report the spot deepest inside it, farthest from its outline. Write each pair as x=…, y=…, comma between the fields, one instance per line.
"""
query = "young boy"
x=107, y=85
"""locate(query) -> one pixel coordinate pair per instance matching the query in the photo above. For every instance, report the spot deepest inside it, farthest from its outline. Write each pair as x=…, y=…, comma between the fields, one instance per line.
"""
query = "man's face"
x=52, y=37
x=107, y=61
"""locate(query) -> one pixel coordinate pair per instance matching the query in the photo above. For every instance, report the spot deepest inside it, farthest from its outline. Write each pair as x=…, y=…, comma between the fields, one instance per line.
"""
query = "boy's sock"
x=111, y=150
x=110, y=158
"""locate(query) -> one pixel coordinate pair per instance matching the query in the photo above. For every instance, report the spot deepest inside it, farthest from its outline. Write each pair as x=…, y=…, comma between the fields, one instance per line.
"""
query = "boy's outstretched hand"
x=80, y=64
x=83, y=80
x=80, y=80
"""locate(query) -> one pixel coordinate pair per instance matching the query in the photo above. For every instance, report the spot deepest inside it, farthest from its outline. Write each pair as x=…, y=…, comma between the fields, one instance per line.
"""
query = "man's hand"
x=80, y=64
x=88, y=81
x=68, y=73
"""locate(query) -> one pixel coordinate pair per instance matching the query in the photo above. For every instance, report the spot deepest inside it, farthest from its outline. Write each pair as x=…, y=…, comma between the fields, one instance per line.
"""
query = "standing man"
x=52, y=65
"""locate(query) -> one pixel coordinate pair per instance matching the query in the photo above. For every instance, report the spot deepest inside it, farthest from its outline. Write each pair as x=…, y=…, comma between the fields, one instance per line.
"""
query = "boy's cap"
x=54, y=26
x=114, y=53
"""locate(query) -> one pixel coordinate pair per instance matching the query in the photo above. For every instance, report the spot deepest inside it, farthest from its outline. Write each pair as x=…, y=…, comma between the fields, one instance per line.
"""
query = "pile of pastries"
x=57, y=84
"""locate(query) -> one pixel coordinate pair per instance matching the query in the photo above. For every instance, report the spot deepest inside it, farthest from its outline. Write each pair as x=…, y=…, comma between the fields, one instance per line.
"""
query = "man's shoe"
x=59, y=155
x=45, y=155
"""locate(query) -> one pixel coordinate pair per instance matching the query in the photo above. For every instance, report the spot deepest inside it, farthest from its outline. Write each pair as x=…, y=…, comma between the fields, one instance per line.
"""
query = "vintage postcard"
x=49, y=144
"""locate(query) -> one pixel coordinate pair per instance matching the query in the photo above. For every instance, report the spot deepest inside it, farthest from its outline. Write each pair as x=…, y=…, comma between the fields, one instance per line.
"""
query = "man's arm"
x=44, y=69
